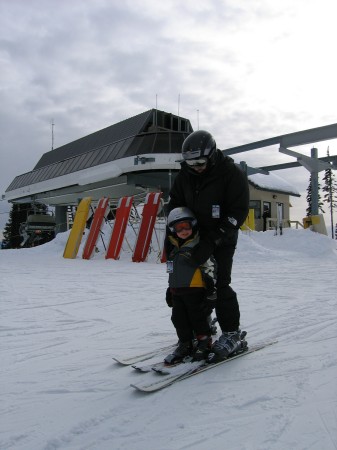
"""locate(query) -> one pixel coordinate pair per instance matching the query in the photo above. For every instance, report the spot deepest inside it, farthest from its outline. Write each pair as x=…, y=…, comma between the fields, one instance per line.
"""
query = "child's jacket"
x=183, y=272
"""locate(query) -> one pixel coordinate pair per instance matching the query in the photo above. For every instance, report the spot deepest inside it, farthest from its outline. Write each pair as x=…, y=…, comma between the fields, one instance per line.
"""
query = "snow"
x=273, y=182
x=62, y=321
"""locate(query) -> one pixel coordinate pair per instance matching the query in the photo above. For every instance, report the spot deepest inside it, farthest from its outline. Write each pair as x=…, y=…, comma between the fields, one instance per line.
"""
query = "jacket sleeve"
x=237, y=199
x=168, y=246
x=237, y=206
x=177, y=197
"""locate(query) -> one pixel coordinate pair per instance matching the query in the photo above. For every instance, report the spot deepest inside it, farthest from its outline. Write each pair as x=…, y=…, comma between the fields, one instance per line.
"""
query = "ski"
x=187, y=370
x=95, y=228
x=144, y=356
x=159, y=366
x=76, y=233
x=172, y=369
x=148, y=367
x=149, y=215
x=118, y=232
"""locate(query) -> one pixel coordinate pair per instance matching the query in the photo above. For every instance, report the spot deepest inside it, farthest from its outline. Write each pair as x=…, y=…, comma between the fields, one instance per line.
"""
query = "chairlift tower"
x=314, y=166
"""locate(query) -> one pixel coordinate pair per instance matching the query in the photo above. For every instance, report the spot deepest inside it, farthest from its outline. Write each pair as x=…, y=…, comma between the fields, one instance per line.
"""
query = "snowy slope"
x=63, y=320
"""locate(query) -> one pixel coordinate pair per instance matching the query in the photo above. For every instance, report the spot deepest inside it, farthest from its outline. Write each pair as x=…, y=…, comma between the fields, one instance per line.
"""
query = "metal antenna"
x=156, y=110
x=52, y=134
x=198, y=118
x=178, y=104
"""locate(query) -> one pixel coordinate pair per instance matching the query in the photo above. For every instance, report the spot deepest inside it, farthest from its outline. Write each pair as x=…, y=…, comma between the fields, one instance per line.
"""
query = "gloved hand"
x=206, y=246
x=202, y=251
x=218, y=236
x=169, y=298
x=221, y=236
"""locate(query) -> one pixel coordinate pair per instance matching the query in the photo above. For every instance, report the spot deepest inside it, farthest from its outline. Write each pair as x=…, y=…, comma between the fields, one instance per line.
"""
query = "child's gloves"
x=169, y=298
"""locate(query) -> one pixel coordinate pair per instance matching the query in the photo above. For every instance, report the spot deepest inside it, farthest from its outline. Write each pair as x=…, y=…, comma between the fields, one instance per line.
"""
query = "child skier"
x=191, y=291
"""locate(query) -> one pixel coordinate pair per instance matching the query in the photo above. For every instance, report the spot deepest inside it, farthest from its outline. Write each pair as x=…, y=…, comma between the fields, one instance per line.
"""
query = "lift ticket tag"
x=216, y=211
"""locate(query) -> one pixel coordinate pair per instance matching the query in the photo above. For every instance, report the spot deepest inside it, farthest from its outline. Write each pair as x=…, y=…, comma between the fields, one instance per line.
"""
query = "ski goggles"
x=182, y=226
x=196, y=162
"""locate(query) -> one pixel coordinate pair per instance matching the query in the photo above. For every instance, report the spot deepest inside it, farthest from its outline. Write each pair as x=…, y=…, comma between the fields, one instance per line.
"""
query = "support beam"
x=291, y=165
x=252, y=170
x=61, y=218
x=289, y=140
x=314, y=166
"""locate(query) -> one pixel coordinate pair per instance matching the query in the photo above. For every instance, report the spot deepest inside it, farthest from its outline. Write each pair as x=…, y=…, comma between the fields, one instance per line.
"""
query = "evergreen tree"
x=309, y=198
x=330, y=192
x=17, y=215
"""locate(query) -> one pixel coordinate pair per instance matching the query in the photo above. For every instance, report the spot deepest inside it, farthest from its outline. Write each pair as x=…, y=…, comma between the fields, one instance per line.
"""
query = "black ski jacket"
x=219, y=197
x=183, y=272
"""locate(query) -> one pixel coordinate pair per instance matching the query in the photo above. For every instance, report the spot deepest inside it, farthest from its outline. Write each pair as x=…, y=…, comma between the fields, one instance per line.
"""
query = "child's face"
x=183, y=230
x=184, y=234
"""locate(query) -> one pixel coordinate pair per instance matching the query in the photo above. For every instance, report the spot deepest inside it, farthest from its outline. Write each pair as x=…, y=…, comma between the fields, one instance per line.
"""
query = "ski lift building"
x=267, y=194
x=132, y=157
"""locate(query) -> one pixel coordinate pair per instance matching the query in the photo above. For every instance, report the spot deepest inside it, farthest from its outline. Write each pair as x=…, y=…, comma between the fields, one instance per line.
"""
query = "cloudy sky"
x=243, y=69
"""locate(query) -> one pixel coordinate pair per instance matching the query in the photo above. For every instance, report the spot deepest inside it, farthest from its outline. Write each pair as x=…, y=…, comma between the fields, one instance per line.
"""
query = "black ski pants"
x=227, y=306
x=189, y=315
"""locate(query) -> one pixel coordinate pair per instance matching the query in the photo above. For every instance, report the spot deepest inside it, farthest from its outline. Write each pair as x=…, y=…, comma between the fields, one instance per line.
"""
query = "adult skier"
x=216, y=190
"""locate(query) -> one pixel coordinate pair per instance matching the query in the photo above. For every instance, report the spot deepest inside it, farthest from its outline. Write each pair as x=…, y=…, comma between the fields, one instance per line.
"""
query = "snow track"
x=63, y=320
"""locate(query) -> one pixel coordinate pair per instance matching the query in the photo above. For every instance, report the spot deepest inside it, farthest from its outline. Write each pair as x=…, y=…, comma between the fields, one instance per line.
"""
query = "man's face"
x=198, y=165
x=199, y=169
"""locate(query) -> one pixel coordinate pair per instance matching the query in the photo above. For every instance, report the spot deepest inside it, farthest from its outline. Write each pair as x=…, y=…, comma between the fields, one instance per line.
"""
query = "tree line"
x=329, y=190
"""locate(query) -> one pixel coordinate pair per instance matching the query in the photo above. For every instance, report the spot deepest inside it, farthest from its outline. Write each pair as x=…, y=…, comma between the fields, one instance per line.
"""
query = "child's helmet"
x=180, y=214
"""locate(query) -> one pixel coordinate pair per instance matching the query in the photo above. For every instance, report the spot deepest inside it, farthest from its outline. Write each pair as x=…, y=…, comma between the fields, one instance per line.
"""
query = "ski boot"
x=183, y=350
x=203, y=347
x=229, y=344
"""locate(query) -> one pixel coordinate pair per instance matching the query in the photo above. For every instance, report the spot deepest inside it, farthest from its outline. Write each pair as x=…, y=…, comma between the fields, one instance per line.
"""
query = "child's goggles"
x=196, y=162
x=182, y=226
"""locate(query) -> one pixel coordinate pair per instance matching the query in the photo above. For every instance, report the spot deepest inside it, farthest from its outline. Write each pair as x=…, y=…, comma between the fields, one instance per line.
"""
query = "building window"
x=267, y=209
x=256, y=205
x=266, y=215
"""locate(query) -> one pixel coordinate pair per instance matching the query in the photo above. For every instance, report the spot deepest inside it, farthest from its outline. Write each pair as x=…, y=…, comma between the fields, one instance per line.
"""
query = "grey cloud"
x=88, y=65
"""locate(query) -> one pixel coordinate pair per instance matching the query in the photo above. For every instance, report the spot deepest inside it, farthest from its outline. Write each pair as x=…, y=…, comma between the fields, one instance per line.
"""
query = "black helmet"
x=199, y=144
x=180, y=214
